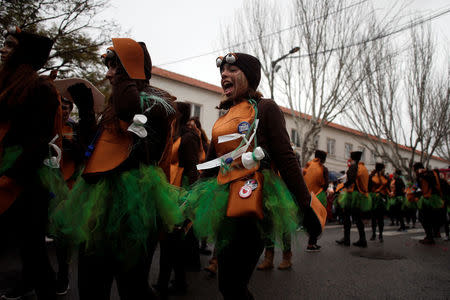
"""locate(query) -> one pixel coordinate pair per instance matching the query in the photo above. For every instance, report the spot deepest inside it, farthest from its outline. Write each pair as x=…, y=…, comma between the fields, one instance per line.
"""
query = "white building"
x=336, y=139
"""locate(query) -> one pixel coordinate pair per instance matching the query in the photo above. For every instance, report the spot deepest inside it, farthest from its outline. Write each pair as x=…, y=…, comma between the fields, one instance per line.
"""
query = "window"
x=316, y=141
x=331, y=147
x=363, y=155
x=295, y=138
x=195, y=110
x=347, y=150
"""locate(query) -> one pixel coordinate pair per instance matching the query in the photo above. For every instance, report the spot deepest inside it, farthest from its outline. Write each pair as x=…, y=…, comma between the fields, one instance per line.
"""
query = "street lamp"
x=274, y=68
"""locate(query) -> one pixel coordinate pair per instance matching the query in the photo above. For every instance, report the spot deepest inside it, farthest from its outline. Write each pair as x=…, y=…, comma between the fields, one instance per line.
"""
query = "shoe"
x=18, y=293
x=313, y=248
x=373, y=237
x=62, y=287
x=212, y=267
x=343, y=242
x=267, y=263
x=380, y=238
x=362, y=244
x=427, y=241
x=286, y=262
x=402, y=230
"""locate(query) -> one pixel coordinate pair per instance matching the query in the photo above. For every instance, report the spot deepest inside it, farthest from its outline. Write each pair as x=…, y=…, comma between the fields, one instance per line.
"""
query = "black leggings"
x=238, y=258
x=97, y=271
x=357, y=219
x=377, y=218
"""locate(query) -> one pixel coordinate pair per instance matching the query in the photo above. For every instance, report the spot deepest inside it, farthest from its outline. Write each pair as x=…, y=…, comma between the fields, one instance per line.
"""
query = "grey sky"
x=176, y=29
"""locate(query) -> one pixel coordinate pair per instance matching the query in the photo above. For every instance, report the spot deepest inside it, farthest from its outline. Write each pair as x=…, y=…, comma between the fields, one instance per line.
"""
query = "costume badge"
x=245, y=192
x=243, y=127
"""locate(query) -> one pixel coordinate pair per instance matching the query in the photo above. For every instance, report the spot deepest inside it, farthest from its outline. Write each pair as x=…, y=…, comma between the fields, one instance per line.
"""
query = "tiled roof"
x=187, y=80
x=210, y=87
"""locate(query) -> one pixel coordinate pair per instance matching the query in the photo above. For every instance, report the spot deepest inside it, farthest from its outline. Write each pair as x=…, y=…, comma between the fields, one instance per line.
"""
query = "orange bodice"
x=313, y=175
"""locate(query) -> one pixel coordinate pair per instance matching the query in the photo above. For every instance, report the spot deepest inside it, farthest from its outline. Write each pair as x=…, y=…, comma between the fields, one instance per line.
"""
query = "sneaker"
x=343, y=242
x=313, y=248
x=62, y=287
x=18, y=293
x=362, y=244
x=381, y=238
x=427, y=241
x=373, y=237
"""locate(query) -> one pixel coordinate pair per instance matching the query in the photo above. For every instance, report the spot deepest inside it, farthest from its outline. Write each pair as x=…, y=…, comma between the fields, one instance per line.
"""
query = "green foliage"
x=79, y=33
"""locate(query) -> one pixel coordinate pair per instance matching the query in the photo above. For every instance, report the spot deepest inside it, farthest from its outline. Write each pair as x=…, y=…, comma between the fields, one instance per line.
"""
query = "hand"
x=82, y=96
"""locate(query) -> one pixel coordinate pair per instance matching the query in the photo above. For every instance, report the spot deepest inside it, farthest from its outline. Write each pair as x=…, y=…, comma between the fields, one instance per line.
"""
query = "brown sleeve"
x=188, y=155
x=325, y=177
x=126, y=100
x=273, y=126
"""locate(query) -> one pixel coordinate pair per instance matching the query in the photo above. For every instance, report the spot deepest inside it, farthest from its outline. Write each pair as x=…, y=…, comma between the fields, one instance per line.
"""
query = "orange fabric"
x=410, y=196
x=426, y=189
x=380, y=184
x=176, y=173
x=251, y=206
x=313, y=175
x=110, y=151
x=131, y=56
x=319, y=210
x=67, y=165
x=227, y=124
x=9, y=191
x=362, y=179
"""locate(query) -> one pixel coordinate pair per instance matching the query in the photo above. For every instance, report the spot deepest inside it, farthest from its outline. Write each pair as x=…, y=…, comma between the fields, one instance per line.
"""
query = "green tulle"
x=322, y=196
x=409, y=205
x=355, y=200
x=397, y=201
x=206, y=204
x=433, y=202
x=52, y=180
x=9, y=157
x=378, y=201
x=121, y=210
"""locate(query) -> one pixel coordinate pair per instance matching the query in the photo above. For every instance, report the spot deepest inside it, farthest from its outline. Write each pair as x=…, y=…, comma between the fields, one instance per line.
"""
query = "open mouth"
x=227, y=88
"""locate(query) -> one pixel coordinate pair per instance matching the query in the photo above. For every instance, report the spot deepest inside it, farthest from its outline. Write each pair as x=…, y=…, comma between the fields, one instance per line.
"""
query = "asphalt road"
x=399, y=268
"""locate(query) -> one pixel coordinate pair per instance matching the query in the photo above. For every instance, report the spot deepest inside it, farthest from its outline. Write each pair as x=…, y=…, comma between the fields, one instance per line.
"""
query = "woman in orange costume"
x=123, y=199
x=378, y=188
x=243, y=196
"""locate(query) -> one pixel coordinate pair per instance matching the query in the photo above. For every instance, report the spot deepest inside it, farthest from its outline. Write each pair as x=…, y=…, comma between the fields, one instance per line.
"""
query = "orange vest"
x=313, y=175
x=362, y=180
x=228, y=124
x=176, y=172
x=379, y=184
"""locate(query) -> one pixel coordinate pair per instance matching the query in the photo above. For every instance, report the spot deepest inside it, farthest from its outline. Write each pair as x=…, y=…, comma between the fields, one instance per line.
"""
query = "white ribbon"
x=230, y=137
x=137, y=127
x=54, y=161
x=233, y=154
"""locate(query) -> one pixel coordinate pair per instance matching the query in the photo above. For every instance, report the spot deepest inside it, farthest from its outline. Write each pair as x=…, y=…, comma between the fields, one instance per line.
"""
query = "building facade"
x=337, y=140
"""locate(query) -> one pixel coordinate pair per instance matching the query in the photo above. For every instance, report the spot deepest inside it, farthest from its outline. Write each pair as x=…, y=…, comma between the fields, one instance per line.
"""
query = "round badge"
x=243, y=127
x=245, y=191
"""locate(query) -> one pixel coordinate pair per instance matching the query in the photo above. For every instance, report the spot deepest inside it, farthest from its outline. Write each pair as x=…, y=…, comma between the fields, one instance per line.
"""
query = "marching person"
x=316, y=178
x=116, y=210
x=355, y=199
x=378, y=187
x=397, y=199
x=430, y=201
x=29, y=110
x=243, y=195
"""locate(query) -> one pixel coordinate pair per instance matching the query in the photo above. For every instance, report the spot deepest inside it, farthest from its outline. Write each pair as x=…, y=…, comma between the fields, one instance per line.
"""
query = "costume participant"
x=244, y=194
x=378, y=187
x=29, y=110
x=355, y=199
x=430, y=201
x=397, y=199
x=123, y=198
x=411, y=203
x=316, y=178
x=180, y=248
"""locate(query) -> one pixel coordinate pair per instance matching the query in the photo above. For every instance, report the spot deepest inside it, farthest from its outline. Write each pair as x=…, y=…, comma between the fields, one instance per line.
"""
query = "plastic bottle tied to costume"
x=137, y=127
x=251, y=159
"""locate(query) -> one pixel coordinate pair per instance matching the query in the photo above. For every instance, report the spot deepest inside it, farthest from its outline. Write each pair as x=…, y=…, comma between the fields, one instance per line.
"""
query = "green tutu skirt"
x=322, y=196
x=395, y=202
x=378, y=202
x=355, y=201
x=206, y=205
x=119, y=212
x=434, y=202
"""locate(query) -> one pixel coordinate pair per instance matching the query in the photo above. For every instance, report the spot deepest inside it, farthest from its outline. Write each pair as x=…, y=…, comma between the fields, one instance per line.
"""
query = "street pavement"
x=399, y=268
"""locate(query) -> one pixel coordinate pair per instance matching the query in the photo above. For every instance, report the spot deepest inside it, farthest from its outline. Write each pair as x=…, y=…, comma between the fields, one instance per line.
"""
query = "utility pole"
x=273, y=68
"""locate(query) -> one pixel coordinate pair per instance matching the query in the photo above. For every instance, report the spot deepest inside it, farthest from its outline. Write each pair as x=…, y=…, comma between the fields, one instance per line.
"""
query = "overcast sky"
x=177, y=29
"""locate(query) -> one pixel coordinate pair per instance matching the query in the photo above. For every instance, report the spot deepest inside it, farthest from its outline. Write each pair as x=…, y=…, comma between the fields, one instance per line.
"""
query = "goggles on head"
x=230, y=58
x=108, y=55
x=11, y=30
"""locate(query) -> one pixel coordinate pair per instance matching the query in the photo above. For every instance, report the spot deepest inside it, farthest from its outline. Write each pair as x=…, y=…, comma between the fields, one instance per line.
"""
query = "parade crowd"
x=135, y=171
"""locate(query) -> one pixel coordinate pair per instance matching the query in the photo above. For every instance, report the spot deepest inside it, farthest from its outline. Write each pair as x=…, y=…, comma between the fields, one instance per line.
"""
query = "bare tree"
x=404, y=112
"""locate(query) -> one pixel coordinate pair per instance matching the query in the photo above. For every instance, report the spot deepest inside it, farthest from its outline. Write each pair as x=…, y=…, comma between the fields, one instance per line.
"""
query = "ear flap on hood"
x=131, y=56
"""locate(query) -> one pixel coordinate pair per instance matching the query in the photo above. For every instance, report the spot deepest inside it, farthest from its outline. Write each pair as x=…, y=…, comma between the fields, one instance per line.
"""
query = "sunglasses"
x=108, y=55
x=230, y=58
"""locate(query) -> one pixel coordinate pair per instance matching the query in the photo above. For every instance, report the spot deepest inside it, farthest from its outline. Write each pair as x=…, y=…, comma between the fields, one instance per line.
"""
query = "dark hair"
x=182, y=117
x=204, y=137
